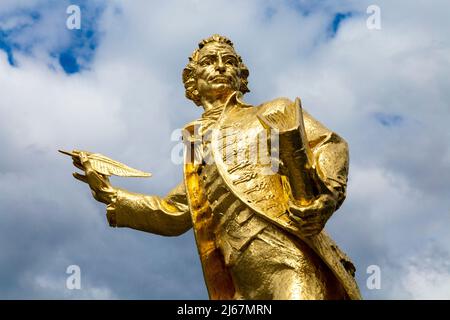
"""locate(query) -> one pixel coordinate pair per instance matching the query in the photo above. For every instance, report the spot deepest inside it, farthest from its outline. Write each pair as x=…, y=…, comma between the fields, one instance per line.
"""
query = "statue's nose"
x=219, y=65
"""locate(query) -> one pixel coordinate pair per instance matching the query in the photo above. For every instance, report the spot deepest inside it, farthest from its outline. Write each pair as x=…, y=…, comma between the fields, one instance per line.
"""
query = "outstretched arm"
x=169, y=216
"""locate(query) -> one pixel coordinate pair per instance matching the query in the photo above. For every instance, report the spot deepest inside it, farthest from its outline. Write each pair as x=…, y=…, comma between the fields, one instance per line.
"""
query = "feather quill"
x=107, y=166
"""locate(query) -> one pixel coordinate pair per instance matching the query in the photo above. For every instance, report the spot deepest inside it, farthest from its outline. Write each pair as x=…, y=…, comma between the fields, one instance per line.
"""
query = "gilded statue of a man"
x=258, y=224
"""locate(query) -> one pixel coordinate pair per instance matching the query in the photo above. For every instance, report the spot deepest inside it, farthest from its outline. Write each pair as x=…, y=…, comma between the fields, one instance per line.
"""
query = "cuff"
x=111, y=210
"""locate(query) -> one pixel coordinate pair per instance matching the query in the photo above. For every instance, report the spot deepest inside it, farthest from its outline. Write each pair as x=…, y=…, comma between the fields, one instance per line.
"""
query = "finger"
x=105, y=179
x=93, y=179
x=76, y=158
x=94, y=195
x=304, y=212
x=327, y=201
x=309, y=213
x=310, y=234
x=312, y=228
x=78, y=165
x=84, y=159
x=307, y=228
x=80, y=177
x=300, y=222
x=97, y=181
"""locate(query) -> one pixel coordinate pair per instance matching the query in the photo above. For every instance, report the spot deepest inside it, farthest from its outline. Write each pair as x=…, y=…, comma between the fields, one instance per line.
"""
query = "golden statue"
x=260, y=182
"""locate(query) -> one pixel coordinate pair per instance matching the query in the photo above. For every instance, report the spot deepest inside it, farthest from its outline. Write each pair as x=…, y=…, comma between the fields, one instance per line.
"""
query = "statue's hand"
x=101, y=188
x=312, y=217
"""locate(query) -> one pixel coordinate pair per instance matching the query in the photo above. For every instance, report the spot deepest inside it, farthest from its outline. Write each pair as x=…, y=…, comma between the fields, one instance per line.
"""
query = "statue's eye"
x=231, y=61
x=205, y=62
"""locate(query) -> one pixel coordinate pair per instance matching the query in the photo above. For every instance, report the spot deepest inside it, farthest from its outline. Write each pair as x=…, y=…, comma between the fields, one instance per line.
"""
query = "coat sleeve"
x=330, y=157
x=168, y=216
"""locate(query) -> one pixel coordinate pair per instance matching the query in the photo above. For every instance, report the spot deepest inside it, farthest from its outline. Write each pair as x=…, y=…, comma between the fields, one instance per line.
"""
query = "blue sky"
x=114, y=87
x=74, y=53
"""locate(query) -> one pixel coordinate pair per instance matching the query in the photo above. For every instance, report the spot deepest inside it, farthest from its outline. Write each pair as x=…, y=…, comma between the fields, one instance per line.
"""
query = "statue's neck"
x=214, y=108
x=213, y=113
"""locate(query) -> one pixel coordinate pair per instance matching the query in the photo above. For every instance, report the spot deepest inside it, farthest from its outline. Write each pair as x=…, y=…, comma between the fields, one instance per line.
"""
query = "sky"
x=114, y=87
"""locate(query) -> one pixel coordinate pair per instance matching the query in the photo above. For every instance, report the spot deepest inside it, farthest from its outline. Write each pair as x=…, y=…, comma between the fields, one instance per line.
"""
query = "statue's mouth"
x=220, y=79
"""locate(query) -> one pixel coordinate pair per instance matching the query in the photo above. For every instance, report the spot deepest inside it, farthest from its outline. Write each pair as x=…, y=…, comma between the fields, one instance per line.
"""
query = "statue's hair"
x=189, y=72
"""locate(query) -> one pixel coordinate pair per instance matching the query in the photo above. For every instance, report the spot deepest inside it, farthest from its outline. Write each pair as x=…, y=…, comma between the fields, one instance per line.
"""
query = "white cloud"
x=424, y=281
x=425, y=275
x=55, y=288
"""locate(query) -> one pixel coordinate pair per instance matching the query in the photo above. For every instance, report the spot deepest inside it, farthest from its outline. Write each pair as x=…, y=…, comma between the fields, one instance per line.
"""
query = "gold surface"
x=108, y=167
x=260, y=182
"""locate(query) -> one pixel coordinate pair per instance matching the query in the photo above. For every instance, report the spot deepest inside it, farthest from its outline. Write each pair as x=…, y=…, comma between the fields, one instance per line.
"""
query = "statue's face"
x=218, y=71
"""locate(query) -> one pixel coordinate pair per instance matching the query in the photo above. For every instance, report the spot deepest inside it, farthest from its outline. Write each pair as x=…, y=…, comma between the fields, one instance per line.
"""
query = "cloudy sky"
x=114, y=87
